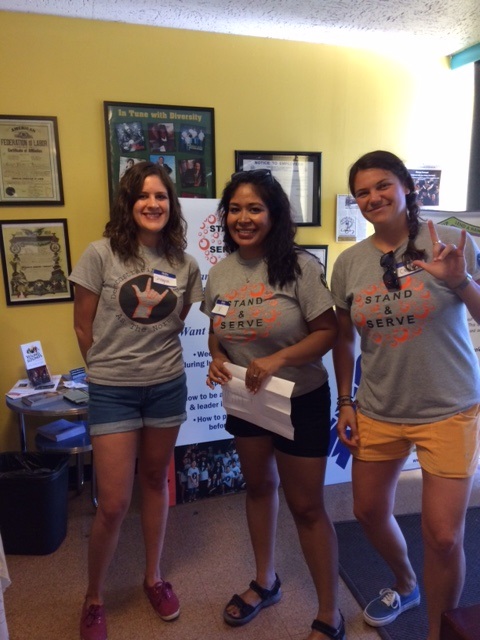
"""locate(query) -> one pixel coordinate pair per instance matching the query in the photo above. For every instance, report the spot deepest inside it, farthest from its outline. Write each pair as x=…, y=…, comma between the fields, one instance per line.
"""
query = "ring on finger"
x=437, y=242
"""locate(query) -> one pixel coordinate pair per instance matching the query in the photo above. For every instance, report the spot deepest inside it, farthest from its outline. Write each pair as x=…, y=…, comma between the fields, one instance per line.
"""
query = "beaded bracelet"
x=345, y=401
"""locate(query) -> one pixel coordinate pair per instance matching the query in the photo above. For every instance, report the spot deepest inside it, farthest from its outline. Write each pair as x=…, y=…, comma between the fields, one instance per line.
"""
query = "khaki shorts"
x=449, y=448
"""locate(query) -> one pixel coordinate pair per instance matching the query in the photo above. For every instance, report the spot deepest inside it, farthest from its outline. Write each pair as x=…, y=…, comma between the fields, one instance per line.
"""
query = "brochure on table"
x=35, y=364
x=24, y=387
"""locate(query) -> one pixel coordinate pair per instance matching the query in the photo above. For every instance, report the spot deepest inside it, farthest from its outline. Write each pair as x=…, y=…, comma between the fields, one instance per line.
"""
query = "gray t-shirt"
x=262, y=319
x=418, y=362
x=136, y=342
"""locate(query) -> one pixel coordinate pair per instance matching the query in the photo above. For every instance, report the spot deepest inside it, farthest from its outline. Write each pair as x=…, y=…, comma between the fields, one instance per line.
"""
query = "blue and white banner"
x=206, y=416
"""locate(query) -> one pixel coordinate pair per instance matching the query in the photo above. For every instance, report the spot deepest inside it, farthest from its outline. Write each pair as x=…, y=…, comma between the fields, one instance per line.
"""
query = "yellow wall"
x=267, y=95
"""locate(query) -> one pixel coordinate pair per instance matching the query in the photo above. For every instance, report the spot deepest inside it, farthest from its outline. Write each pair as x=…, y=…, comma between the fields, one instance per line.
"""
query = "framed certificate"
x=35, y=261
x=299, y=174
x=30, y=169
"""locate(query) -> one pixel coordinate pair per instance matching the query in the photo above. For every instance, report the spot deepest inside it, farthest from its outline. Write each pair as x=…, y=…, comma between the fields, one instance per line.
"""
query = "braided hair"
x=390, y=162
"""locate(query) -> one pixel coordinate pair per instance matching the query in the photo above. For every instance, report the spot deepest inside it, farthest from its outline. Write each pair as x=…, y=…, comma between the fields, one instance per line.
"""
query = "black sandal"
x=247, y=611
x=331, y=632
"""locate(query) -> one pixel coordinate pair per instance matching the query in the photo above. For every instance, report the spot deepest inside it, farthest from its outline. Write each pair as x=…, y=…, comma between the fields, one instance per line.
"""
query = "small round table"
x=59, y=408
x=78, y=445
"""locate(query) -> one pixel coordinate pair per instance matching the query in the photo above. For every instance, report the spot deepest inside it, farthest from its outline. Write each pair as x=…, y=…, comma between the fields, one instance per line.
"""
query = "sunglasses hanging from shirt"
x=390, y=277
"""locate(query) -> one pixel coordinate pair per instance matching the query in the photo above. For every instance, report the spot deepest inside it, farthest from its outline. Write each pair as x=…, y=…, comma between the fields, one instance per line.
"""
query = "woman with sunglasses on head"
x=272, y=313
x=405, y=290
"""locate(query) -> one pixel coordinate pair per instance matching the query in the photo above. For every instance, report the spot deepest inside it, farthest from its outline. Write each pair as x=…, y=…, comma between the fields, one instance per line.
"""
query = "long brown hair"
x=121, y=228
x=280, y=248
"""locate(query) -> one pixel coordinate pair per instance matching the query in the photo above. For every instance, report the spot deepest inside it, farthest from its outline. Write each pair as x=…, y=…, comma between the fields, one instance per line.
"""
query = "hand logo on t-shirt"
x=146, y=301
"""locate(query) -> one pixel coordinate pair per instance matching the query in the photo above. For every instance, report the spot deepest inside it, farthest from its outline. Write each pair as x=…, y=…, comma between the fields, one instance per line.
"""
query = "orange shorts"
x=449, y=448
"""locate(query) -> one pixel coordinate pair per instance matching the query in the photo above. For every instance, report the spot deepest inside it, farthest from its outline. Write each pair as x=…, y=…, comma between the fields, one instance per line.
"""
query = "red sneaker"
x=163, y=600
x=93, y=625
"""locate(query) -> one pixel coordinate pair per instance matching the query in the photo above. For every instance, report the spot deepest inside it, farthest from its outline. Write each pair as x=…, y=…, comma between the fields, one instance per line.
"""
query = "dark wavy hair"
x=280, y=248
x=390, y=162
x=121, y=228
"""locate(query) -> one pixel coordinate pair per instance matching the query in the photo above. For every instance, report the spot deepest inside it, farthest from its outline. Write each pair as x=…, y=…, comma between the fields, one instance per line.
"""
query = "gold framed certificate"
x=35, y=261
x=30, y=170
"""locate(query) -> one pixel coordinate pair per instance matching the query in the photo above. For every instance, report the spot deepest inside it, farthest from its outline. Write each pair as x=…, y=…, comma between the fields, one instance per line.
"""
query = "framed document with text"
x=35, y=261
x=299, y=174
x=30, y=169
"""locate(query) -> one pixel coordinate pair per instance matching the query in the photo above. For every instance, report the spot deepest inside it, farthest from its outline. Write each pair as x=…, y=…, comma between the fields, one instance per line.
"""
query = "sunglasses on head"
x=264, y=174
x=390, y=277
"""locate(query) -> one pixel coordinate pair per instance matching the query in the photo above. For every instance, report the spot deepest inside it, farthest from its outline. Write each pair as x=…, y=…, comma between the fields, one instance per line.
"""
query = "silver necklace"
x=250, y=271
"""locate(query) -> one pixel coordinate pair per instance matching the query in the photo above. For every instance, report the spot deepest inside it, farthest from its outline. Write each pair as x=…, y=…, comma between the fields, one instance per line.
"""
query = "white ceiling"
x=442, y=27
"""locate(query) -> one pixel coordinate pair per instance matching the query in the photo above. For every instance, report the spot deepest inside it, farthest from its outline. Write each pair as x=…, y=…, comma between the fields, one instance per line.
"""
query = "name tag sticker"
x=221, y=308
x=167, y=279
x=403, y=272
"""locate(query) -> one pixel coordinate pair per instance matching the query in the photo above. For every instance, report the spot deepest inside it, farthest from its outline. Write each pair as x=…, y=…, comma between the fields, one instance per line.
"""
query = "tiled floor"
x=207, y=557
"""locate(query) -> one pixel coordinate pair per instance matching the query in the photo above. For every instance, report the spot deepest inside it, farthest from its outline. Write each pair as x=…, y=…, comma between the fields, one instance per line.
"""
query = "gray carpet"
x=365, y=573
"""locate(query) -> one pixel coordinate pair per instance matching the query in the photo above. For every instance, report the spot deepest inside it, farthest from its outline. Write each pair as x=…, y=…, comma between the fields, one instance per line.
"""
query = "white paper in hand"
x=268, y=408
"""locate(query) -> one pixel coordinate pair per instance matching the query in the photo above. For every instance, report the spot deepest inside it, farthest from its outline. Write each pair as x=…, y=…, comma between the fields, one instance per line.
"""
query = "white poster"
x=206, y=416
x=351, y=225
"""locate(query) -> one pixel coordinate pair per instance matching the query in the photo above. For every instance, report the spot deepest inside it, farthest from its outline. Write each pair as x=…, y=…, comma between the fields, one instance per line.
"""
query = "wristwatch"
x=464, y=284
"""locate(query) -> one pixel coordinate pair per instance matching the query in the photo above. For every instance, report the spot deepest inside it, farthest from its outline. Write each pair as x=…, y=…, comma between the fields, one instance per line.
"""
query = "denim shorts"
x=120, y=409
x=310, y=416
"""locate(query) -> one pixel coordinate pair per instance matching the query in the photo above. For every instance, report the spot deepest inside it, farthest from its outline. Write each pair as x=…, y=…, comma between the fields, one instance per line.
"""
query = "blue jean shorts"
x=120, y=409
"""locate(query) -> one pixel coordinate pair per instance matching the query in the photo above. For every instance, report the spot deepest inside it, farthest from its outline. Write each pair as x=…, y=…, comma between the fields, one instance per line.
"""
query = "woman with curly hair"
x=133, y=290
x=271, y=312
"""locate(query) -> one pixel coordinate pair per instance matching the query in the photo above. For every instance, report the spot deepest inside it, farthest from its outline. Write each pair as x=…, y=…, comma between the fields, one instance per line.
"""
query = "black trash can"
x=33, y=502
